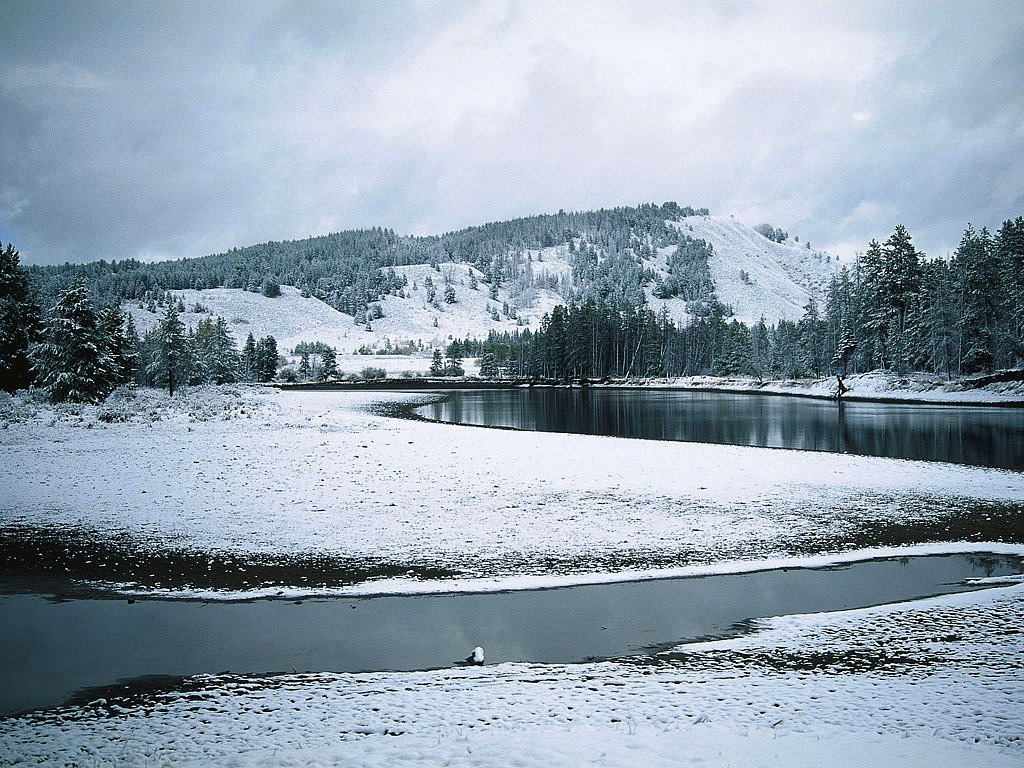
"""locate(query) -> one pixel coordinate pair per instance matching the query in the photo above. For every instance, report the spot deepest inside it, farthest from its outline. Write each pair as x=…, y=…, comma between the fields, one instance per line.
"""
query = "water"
x=52, y=649
x=992, y=437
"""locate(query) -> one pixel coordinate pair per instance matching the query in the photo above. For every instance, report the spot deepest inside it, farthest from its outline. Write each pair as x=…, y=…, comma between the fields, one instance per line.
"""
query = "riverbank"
x=249, y=491
x=1006, y=390
x=875, y=386
x=272, y=490
x=934, y=682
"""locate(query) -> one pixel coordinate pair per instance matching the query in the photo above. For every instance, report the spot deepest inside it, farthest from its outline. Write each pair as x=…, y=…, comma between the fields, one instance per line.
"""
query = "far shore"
x=1005, y=390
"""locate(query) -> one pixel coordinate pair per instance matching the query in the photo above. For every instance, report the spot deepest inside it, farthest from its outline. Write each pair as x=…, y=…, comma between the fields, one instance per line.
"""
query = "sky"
x=162, y=130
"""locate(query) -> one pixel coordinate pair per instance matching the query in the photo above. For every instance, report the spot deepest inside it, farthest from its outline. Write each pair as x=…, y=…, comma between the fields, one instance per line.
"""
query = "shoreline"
x=715, y=385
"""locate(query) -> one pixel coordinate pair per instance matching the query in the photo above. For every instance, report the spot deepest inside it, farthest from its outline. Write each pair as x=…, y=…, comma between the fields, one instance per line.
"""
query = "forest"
x=62, y=329
x=892, y=309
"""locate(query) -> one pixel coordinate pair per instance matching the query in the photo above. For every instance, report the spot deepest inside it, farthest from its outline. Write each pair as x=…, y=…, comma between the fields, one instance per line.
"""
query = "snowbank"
x=881, y=386
x=300, y=473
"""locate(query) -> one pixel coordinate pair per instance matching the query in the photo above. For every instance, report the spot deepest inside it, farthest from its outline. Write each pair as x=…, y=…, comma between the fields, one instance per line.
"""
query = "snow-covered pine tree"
x=329, y=364
x=266, y=359
x=454, y=365
x=436, y=364
x=169, y=366
x=248, y=363
x=132, y=349
x=71, y=361
x=488, y=365
x=111, y=322
x=19, y=322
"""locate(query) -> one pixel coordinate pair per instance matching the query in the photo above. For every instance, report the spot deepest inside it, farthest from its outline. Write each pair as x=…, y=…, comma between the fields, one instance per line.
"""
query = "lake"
x=983, y=436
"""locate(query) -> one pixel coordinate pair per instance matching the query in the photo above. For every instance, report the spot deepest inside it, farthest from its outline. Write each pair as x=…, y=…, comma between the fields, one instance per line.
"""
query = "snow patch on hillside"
x=291, y=319
x=782, y=276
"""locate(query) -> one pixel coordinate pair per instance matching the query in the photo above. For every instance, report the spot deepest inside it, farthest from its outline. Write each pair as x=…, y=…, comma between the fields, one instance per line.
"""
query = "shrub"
x=370, y=372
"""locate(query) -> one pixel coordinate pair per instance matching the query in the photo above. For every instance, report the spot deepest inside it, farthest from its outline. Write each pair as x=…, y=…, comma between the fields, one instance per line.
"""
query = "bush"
x=271, y=289
x=370, y=373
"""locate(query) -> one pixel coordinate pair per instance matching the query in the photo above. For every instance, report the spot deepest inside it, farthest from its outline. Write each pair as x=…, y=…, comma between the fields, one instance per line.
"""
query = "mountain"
x=374, y=289
x=779, y=279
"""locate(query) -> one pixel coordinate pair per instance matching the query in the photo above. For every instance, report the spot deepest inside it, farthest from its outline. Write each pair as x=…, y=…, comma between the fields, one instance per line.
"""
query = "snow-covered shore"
x=877, y=386
x=289, y=473
x=934, y=682
x=259, y=472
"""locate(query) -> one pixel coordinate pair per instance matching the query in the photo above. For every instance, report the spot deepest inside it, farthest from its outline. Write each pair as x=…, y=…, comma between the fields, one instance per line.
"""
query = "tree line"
x=76, y=352
x=893, y=309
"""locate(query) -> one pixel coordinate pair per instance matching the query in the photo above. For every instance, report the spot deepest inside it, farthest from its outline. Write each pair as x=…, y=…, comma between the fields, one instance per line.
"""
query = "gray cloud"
x=157, y=132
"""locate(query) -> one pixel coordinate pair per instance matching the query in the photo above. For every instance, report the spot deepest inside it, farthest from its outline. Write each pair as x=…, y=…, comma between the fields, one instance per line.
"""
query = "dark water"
x=991, y=437
x=52, y=649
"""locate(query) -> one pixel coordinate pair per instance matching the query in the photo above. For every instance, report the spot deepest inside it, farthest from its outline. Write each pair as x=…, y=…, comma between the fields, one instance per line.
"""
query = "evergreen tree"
x=329, y=364
x=71, y=360
x=436, y=364
x=132, y=349
x=248, y=363
x=488, y=365
x=19, y=322
x=454, y=366
x=111, y=322
x=170, y=364
x=265, y=362
x=812, y=339
x=304, y=370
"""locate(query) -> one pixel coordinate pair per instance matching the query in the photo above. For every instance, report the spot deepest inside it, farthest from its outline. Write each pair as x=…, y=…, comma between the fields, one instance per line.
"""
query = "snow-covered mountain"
x=780, y=277
x=752, y=274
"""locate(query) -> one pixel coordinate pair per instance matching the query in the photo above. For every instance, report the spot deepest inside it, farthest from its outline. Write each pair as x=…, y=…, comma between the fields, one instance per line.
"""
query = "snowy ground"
x=314, y=473
x=876, y=385
x=936, y=682
x=781, y=277
x=260, y=473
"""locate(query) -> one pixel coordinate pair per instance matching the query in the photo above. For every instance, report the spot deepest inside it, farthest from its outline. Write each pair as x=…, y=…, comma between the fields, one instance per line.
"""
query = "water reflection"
x=55, y=648
x=981, y=436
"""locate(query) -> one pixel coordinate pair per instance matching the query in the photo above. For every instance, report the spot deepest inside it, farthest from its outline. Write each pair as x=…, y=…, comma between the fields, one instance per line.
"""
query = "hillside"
x=781, y=279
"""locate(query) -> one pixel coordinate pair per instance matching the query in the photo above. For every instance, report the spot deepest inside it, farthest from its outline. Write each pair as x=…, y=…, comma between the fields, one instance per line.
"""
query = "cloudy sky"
x=159, y=130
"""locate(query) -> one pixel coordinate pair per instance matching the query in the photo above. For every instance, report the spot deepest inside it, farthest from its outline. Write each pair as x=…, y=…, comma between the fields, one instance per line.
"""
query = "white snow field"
x=782, y=279
x=930, y=683
x=301, y=472
x=935, y=682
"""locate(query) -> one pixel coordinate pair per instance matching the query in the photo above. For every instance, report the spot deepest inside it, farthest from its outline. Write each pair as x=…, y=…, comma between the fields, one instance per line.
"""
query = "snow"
x=933, y=682
x=783, y=276
x=301, y=472
x=292, y=319
x=874, y=385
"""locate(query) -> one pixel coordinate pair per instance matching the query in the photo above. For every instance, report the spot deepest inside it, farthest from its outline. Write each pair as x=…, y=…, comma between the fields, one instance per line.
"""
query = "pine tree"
x=488, y=365
x=266, y=359
x=304, y=370
x=111, y=321
x=436, y=364
x=71, y=360
x=329, y=364
x=812, y=339
x=248, y=364
x=19, y=322
x=132, y=349
x=170, y=364
x=454, y=366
